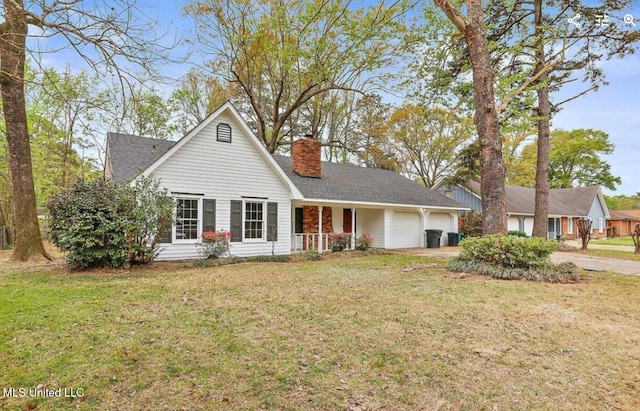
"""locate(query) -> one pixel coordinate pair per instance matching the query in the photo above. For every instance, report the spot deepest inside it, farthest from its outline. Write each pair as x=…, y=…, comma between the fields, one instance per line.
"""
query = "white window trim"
x=264, y=221
x=176, y=240
x=600, y=224
x=570, y=225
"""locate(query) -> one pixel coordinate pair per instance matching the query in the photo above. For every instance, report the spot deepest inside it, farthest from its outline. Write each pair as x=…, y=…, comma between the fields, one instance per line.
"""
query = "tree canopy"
x=283, y=55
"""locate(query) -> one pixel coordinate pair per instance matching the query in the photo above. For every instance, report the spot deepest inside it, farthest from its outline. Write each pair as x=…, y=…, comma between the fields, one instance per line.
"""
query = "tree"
x=369, y=138
x=102, y=35
x=198, y=95
x=530, y=40
x=429, y=140
x=283, y=54
x=623, y=202
x=486, y=116
x=575, y=159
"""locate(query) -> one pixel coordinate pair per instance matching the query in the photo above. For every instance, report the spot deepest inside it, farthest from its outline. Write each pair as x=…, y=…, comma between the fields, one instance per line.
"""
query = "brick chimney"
x=306, y=153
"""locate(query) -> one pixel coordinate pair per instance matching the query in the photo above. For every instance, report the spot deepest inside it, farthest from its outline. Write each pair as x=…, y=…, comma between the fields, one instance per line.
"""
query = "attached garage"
x=441, y=221
x=406, y=230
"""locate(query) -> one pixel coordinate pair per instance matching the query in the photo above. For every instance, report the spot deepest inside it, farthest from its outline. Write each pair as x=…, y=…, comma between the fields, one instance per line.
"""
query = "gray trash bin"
x=453, y=238
x=433, y=238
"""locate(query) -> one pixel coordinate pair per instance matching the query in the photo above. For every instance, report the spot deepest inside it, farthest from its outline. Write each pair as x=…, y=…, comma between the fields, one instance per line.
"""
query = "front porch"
x=315, y=227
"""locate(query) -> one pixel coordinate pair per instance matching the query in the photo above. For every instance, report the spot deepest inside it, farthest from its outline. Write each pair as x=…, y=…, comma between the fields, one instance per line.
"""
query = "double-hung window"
x=253, y=220
x=187, y=219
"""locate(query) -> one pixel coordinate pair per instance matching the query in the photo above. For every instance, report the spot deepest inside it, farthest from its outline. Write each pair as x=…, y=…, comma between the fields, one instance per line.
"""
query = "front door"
x=347, y=220
x=554, y=228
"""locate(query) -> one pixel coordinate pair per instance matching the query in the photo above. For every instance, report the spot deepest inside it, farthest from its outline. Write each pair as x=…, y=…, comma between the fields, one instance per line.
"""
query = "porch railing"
x=301, y=242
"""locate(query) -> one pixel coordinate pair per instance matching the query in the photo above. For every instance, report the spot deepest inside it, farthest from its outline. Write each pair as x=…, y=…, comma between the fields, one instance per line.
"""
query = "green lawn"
x=613, y=241
x=380, y=332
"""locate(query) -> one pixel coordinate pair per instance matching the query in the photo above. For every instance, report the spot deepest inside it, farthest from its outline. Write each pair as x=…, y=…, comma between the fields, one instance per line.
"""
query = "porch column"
x=320, y=229
x=425, y=225
x=353, y=228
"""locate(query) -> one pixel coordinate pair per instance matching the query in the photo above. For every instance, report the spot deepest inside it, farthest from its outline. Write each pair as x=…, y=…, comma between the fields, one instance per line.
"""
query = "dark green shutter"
x=272, y=221
x=236, y=221
x=209, y=215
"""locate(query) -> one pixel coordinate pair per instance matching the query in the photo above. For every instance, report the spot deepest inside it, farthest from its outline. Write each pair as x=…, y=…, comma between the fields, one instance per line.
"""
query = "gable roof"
x=355, y=184
x=253, y=140
x=129, y=155
x=575, y=202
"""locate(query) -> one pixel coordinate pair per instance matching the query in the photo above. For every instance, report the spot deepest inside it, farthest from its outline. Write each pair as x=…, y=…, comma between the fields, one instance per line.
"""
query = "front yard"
x=380, y=332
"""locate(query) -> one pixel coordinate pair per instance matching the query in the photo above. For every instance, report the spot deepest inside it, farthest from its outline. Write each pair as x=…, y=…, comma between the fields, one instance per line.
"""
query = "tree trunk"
x=486, y=120
x=28, y=242
x=540, y=219
x=635, y=235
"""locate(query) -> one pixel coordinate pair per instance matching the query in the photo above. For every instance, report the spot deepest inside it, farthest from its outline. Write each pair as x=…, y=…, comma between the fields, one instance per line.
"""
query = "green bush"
x=518, y=233
x=507, y=251
x=103, y=224
x=552, y=273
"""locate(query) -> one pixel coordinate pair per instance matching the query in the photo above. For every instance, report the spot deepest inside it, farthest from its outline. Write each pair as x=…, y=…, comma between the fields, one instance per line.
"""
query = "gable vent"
x=223, y=133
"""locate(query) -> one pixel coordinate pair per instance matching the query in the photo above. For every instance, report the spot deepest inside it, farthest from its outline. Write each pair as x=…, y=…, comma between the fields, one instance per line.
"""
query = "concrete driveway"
x=586, y=262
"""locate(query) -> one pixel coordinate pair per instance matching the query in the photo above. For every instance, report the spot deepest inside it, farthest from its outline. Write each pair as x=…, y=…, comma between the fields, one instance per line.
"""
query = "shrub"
x=470, y=224
x=518, y=233
x=507, y=251
x=552, y=273
x=214, y=244
x=103, y=224
x=340, y=241
x=274, y=258
x=364, y=242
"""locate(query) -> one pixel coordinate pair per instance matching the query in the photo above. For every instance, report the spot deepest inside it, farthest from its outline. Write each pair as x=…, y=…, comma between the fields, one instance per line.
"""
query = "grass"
x=378, y=332
x=627, y=240
x=625, y=255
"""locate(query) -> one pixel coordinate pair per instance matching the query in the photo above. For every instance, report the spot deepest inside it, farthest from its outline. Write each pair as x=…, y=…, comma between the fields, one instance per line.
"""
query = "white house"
x=222, y=177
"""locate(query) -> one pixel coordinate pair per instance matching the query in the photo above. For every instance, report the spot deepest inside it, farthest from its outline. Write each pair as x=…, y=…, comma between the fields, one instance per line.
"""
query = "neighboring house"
x=222, y=177
x=623, y=222
x=566, y=205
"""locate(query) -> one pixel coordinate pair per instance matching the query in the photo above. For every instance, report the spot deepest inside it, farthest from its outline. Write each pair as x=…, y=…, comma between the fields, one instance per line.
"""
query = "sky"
x=613, y=108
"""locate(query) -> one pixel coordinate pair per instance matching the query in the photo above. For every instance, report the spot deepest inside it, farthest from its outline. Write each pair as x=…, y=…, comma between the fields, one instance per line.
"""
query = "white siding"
x=370, y=221
x=225, y=172
x=444, y=222
x=513, y=224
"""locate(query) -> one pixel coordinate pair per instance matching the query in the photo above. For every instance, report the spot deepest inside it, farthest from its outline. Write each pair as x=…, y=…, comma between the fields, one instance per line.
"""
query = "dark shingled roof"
x=129, y=155
x=575, y=201
x=344, y=182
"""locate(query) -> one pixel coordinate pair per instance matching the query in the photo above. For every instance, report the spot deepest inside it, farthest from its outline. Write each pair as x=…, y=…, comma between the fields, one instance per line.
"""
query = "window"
x=187, y=219
x=600, y=224
x=223, y=131
x=253, y=220
x=570, y=226
x=448, y=193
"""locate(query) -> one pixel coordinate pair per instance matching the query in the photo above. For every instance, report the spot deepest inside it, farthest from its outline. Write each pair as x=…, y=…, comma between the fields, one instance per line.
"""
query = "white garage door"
x=441, y=221
x=406, y=230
